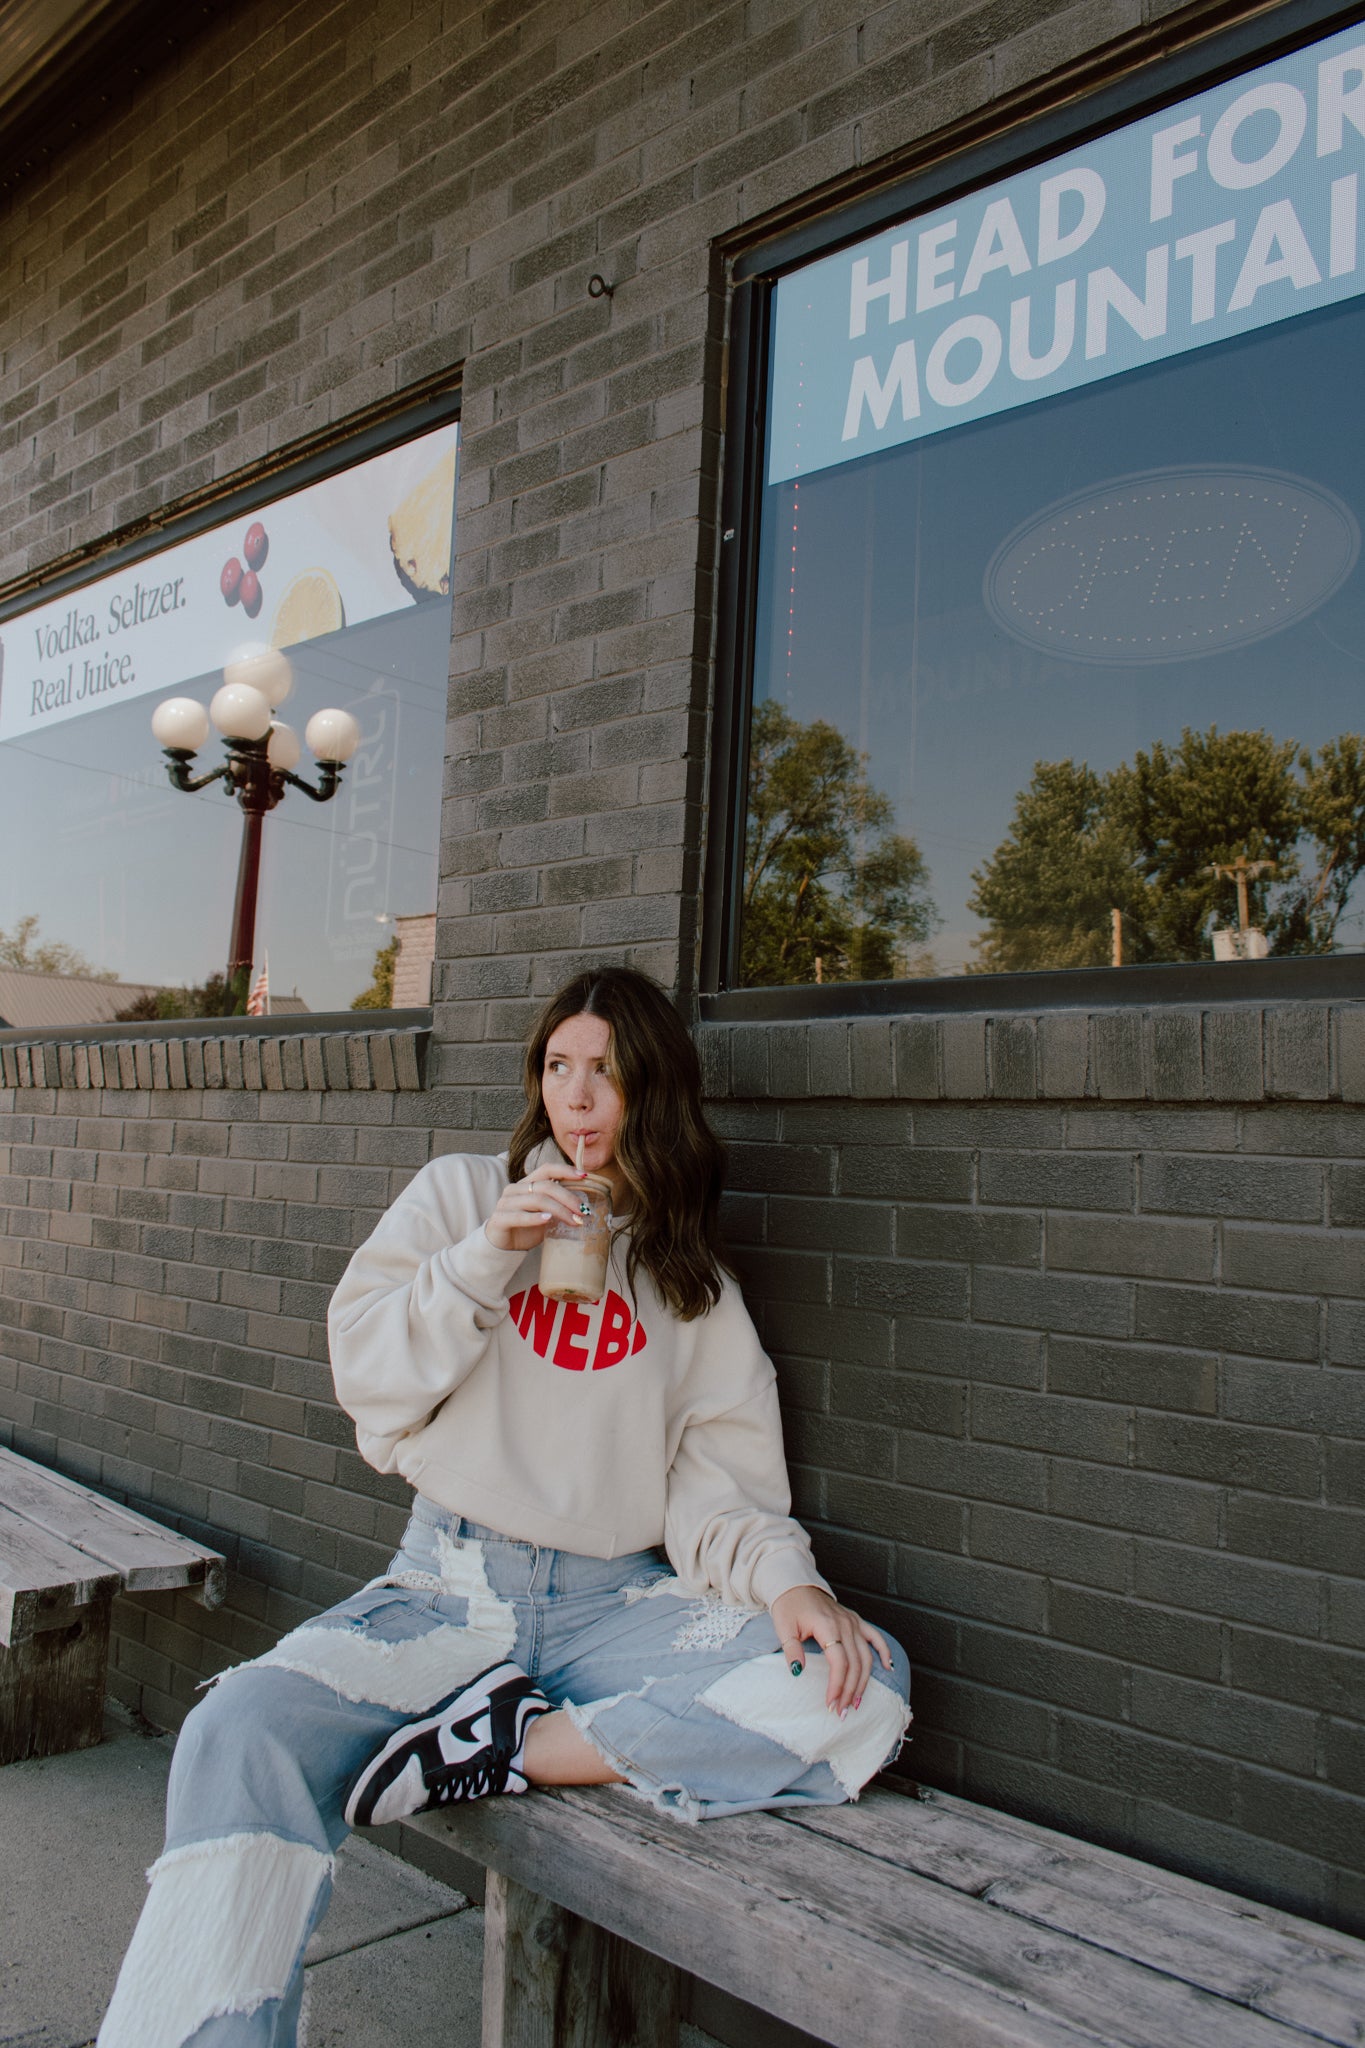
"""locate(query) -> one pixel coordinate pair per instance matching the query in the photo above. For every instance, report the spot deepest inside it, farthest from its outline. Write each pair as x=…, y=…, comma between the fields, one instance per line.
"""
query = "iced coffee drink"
x=573, y=1256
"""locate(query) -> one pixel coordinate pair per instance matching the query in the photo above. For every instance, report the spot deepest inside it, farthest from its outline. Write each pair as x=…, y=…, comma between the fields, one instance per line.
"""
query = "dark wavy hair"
x=666, y=1152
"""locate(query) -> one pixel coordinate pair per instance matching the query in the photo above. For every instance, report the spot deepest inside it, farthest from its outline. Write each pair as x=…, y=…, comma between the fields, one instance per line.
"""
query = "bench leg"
x=52, y=1686
x=551, y=1980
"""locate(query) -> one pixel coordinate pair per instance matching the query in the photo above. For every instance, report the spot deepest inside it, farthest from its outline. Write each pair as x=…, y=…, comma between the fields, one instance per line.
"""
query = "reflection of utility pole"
x=1238, y=870
x=1116, y=938
x=1248, y=944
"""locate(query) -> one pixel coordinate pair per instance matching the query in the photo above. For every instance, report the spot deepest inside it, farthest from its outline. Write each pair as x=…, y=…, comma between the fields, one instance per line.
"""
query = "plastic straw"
x=578, y=1163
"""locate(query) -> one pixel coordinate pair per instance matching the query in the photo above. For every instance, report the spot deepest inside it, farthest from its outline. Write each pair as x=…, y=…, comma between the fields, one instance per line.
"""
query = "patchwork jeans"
x=688, y=1698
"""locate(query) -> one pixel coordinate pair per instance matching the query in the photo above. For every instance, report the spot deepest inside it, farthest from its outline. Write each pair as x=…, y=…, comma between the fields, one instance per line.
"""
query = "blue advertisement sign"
x=1228, y=212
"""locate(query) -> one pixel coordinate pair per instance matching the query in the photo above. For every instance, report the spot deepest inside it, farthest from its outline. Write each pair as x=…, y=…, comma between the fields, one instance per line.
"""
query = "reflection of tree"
x=211, y=998
x=1048, y=893
x=22, y=948
x=1144, y=838
x=1332, y=811
x=830, y=891
x=379, y=994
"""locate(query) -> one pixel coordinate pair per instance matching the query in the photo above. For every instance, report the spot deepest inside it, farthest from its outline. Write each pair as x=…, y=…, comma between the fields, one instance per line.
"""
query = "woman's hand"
x=526, y=1208
x=809, y=1614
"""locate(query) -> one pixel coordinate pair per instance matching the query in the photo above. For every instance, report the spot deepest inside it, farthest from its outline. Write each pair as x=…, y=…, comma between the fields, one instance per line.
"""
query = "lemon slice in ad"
x=310, y=606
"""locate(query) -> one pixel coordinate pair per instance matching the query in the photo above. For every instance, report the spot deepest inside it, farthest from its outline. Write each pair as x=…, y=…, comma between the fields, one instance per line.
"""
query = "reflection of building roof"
x=412, y=968
x=52, y=1002
x=31, y=1001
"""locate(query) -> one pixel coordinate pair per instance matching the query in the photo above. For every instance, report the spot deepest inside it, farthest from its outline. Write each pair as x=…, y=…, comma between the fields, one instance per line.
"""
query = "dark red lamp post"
x=262, y=755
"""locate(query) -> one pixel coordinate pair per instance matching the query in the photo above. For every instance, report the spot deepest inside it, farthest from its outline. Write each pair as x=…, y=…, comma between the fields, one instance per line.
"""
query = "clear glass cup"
x=573, y=1256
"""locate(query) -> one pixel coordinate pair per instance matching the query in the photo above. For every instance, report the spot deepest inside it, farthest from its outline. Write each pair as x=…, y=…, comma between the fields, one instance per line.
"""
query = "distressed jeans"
x=688, y=1698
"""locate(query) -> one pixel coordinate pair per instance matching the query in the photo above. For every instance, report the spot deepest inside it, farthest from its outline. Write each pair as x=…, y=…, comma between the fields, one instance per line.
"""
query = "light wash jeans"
x=688, y=1698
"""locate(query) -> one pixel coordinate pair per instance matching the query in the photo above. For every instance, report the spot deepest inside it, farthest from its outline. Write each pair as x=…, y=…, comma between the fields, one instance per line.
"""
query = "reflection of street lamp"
x=262, y=755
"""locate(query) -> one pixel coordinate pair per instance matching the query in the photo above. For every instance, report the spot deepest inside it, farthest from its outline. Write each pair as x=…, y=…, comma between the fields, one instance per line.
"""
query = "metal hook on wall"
x=598, y=288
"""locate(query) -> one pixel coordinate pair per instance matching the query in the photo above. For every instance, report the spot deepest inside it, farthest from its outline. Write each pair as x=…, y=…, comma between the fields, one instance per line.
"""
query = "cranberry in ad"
x=230, y=582
x=256, y=546
x=250, y=593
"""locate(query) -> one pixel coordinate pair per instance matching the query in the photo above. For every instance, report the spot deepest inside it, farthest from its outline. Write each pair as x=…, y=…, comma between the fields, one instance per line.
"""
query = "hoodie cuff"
x=481, y=1270
x=781, y=1570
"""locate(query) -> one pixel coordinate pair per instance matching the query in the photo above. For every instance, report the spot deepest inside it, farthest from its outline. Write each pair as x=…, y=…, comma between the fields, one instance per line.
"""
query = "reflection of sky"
x=890, y=638
x=140, y=879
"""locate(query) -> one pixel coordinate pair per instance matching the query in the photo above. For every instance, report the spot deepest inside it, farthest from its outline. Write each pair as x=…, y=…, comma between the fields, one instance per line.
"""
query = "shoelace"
x=472, y=1780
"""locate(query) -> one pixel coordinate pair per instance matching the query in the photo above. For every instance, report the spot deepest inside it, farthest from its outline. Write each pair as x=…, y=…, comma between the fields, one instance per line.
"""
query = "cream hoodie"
x=602, y=1428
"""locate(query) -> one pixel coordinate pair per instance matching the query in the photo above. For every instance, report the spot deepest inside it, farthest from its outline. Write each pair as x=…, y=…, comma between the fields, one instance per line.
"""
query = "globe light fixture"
x=181, y=724
x=282, y=748
x=262, y=668
x=240, y=712
x=262, y=754
x=333, y=736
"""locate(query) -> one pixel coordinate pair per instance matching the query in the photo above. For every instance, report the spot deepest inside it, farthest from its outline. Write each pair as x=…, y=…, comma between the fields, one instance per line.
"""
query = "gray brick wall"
x=1068, y=1311
x=1074, y=1388
x=1075, y=1405
x=166, y=1260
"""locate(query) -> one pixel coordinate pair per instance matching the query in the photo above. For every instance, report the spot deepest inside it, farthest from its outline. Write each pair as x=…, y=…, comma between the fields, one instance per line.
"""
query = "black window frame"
x=959, y=166
x=388, y=424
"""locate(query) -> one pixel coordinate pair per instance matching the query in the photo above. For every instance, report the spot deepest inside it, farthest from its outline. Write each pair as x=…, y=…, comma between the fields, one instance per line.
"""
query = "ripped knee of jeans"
x=383, y=1648
x=762, y=1695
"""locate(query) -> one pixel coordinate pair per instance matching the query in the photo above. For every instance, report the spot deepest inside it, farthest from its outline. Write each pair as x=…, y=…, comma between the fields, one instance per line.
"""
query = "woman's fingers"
x=878, y=1642
x=851, y=1646
x=837, y=1658
x=541, y=1194
x=850, y=1659
x=545, y=1187
x=525, y=1207
x=864, y=1669
x=859, y=1665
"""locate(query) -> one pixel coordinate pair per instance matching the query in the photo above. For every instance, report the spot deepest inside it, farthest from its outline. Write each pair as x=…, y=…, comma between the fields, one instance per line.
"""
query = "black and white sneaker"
x=467, y=1746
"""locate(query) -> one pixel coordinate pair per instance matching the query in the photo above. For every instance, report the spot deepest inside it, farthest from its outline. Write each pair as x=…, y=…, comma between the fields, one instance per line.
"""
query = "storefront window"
x=113, y=878
x=1060, y=643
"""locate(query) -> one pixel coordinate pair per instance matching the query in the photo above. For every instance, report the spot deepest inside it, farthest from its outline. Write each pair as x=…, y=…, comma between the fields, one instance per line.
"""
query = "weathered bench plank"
x=64, y=1553
x=42, y=1578
x=1255, y=1956
x=146, y=1557
x=832, y=1928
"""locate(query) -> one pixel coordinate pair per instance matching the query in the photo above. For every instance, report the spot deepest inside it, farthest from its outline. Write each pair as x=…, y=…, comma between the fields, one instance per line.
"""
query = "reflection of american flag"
x=258, y=1002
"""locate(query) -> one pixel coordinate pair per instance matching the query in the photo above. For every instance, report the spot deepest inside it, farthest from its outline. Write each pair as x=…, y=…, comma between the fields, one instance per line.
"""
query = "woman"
x=529, y=1632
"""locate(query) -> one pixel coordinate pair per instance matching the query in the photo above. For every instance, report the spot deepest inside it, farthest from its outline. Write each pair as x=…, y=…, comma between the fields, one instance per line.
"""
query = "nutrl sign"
x=1226, y=213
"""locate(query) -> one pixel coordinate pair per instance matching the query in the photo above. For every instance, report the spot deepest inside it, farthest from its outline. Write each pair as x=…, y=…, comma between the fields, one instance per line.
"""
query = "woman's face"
x=582, y=1099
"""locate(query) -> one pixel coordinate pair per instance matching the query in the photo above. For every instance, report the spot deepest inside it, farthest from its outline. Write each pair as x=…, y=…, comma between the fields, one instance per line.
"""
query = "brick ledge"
x=304, y=1062
x=1296, y=1052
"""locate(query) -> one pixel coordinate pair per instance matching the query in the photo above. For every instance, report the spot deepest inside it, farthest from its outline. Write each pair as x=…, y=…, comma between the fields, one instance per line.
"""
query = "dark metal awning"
x=65, y=62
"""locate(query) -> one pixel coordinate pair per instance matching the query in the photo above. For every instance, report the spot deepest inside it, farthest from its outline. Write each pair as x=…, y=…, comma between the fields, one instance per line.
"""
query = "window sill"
x=1340, y=978
x=335, y=1050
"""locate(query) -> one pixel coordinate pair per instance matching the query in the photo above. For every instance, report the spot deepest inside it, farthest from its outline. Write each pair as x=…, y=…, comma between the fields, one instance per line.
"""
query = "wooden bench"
x=906, y=1921
x=64, y=1553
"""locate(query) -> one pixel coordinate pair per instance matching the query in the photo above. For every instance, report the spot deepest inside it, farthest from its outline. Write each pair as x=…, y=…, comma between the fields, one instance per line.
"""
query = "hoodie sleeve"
x=727, y=1520
x=418, y=1304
